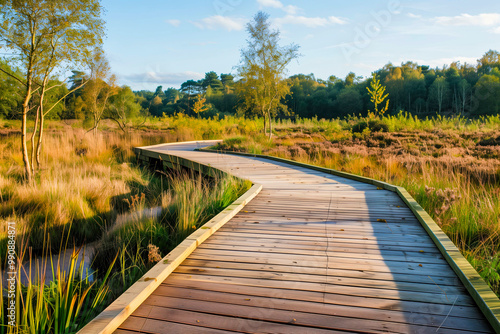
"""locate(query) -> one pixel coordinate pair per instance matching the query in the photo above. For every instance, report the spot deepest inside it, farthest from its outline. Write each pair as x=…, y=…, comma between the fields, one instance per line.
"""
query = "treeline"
x=83, y=97
x=464, y=89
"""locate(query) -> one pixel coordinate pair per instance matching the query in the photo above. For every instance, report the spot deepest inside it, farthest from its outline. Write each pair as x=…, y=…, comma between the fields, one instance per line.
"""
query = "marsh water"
x=46, y=267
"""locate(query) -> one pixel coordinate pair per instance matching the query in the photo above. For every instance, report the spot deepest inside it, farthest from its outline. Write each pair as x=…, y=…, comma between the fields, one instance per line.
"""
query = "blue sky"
x=164, y=42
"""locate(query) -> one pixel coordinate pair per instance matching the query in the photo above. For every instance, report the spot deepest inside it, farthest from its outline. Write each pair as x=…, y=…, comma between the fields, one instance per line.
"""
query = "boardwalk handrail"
x=116, y=313
x=487, y=301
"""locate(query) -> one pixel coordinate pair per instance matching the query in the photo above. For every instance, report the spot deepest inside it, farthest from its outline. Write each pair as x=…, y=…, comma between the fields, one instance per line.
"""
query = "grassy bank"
x=84, y=182
x=450, y=165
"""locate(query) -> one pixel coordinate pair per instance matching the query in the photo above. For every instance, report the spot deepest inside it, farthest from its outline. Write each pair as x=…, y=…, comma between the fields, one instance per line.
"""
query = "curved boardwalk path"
x=312, y=253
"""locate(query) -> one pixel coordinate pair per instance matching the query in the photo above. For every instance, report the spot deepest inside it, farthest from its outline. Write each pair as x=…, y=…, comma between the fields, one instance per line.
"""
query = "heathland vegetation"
x=435, y=131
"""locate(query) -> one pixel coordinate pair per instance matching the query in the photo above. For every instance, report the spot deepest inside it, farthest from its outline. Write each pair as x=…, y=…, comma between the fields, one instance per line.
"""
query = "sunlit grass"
x=83, y=183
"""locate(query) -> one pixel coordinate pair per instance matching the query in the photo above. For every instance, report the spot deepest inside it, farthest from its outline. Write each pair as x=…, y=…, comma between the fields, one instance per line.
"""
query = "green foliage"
x=212, y=80
x=348, y=102
x=200, y=106
x=123, y=107
x=374, y=125
x=10, y=99
x=487, y=92
x=99, y=89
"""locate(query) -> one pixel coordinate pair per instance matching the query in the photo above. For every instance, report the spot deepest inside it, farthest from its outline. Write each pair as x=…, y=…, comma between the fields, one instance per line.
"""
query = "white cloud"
x=218, y=21
x=414, y=16
x=310, y=22
x=270, y=3
x=485, y=20
x=174, y=23
x=496, y=30
x=290, y=9
x=163, y=78
x=337, y=20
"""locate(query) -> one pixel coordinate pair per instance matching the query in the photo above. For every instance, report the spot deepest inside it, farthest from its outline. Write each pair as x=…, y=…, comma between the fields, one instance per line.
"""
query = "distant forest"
x=462, y=89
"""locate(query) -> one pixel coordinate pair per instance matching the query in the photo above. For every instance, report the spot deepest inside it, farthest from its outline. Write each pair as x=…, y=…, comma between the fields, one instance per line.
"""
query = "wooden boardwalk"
x=312, y=253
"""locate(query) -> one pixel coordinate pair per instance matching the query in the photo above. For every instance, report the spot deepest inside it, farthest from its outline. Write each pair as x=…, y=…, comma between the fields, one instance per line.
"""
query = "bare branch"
x=13, y=76
x=62, y=98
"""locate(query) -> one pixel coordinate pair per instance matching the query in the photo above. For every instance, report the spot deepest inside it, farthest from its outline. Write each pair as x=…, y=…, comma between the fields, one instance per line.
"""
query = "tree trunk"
x=33, y=142
x=42, y=117
x=96, y=123
x=24, y=144
x=270, y=125
x=39, y=144
x=265, y=127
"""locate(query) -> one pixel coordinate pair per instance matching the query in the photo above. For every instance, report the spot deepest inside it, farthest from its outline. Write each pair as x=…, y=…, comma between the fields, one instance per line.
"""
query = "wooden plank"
x=267, y=312
x=323, y=263
x=320, y=244
x=331, y=287
x=318, y=227
x=213, y=321
x=327, y=230
x=408, y=316
x=323, y=248
x=332, y=298
x=332, y=253
x=322, y=258
x=322, y=277
x=153, y=326
x=424, y=279
x=331, y=239
x=317, y=314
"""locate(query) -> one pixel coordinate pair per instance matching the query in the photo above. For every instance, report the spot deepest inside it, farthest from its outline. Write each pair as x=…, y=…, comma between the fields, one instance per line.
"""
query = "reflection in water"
x=47, y=267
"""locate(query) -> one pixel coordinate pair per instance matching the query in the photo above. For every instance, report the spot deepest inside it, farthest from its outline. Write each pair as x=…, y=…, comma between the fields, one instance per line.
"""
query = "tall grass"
x=79, y=183
x=60, y=306
x=83, y=183
x=187, y=202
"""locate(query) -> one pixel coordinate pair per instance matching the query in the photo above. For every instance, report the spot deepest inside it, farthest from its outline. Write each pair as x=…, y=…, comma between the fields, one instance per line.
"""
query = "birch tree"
x=263, y=69
x=40, y=37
